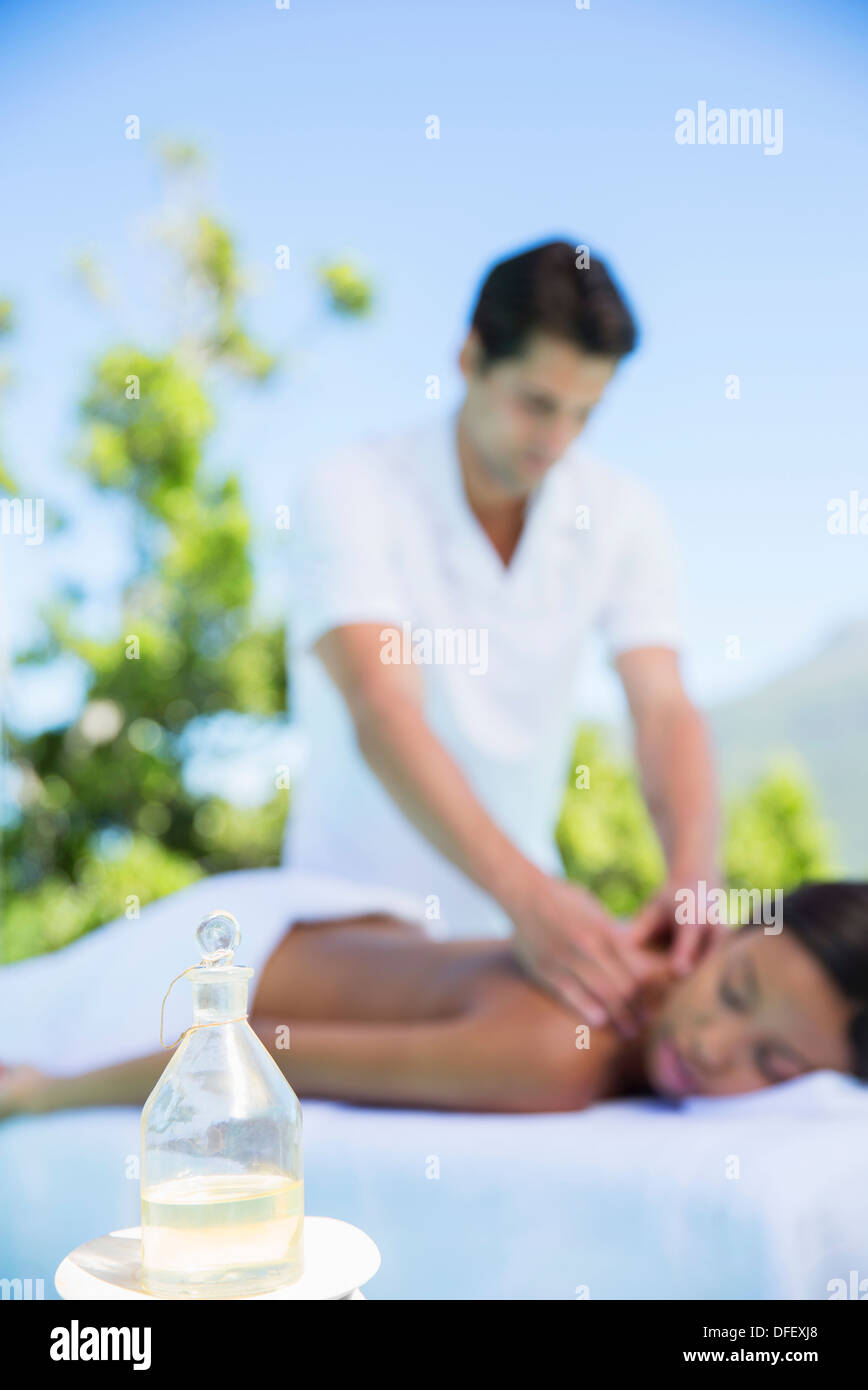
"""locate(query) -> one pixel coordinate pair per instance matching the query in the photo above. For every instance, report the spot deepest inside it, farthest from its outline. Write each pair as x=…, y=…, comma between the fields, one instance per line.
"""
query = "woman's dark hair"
x=544, y=291
x=831, y=921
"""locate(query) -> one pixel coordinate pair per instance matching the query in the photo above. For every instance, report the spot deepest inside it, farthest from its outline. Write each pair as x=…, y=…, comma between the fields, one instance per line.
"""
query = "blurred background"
x=241, y=206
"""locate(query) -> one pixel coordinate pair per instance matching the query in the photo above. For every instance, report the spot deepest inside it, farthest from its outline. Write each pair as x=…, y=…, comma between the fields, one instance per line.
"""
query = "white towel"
x=98, y=1000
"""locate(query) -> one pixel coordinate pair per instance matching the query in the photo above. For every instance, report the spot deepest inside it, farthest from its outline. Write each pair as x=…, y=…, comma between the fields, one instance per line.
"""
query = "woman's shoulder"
x=581, y=1062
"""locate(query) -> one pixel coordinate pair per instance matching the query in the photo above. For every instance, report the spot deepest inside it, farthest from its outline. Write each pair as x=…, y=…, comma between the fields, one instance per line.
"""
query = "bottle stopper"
x=218, y=934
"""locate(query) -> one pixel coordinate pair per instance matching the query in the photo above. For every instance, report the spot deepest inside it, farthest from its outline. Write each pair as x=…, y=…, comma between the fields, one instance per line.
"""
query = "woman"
x=381, y=1015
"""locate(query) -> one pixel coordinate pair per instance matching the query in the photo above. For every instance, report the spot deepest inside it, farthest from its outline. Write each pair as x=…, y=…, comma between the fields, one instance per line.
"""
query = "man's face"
x=757, y=1010
x=522, y=413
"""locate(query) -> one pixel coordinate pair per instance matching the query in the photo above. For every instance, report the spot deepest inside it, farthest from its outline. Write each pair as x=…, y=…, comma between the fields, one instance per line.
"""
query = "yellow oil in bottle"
x=228, y=1236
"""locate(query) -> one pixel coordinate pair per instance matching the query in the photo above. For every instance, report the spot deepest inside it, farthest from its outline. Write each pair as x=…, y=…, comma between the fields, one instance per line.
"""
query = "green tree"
x=106, y=821
x=605, y=835
x=774, y=835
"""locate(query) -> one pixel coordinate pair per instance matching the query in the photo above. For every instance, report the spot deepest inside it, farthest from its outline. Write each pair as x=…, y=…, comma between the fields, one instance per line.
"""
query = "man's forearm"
x=677, y=772
x=429, y=787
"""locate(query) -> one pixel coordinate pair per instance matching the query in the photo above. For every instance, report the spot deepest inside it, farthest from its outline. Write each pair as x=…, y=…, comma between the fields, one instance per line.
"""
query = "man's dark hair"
x=543, y=291
x=831, y=921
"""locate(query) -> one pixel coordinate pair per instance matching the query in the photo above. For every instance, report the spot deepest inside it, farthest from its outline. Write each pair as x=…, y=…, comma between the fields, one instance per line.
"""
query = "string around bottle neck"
x=217, y=1023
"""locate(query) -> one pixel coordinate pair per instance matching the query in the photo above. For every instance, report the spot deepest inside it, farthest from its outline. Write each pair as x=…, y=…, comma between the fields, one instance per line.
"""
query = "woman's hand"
x=21, y=1090
x=571, y=945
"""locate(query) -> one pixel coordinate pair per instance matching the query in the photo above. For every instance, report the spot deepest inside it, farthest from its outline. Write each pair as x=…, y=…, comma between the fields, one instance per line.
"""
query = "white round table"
x=338, y=1259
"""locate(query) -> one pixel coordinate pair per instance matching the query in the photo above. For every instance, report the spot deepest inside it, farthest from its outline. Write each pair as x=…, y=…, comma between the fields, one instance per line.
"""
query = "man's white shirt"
x=382, y=532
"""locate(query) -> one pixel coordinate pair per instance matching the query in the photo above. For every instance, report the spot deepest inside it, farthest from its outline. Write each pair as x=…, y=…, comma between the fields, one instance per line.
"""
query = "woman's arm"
x=485, y=1060
x=27, y=1091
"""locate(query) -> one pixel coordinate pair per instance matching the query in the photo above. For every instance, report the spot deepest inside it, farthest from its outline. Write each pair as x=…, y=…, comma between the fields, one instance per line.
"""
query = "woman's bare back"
x=380, y=971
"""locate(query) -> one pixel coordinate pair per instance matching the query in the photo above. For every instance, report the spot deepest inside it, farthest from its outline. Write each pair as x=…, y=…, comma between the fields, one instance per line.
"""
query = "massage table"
x=762, y=1196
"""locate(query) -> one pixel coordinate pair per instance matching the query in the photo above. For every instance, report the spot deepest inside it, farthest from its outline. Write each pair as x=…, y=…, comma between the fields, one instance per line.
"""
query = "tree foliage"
x=774, y=834
x=106, y=820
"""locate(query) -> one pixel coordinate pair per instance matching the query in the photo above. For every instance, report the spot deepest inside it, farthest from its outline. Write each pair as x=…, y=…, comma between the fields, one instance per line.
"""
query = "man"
x=447, y=579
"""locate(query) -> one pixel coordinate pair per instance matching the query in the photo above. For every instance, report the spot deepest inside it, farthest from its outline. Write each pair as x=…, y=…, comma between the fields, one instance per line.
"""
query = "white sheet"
x=628, y=1200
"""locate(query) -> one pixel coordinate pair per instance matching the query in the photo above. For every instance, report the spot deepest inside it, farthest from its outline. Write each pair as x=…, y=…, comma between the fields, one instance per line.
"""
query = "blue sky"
x=554, y=121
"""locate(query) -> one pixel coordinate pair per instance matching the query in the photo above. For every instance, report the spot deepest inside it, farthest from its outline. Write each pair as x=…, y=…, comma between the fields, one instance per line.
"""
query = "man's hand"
x=576, y=950
x=688, y=941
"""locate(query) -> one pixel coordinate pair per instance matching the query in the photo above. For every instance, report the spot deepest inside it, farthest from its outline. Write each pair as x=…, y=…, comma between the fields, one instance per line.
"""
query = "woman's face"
x=757, y=1010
